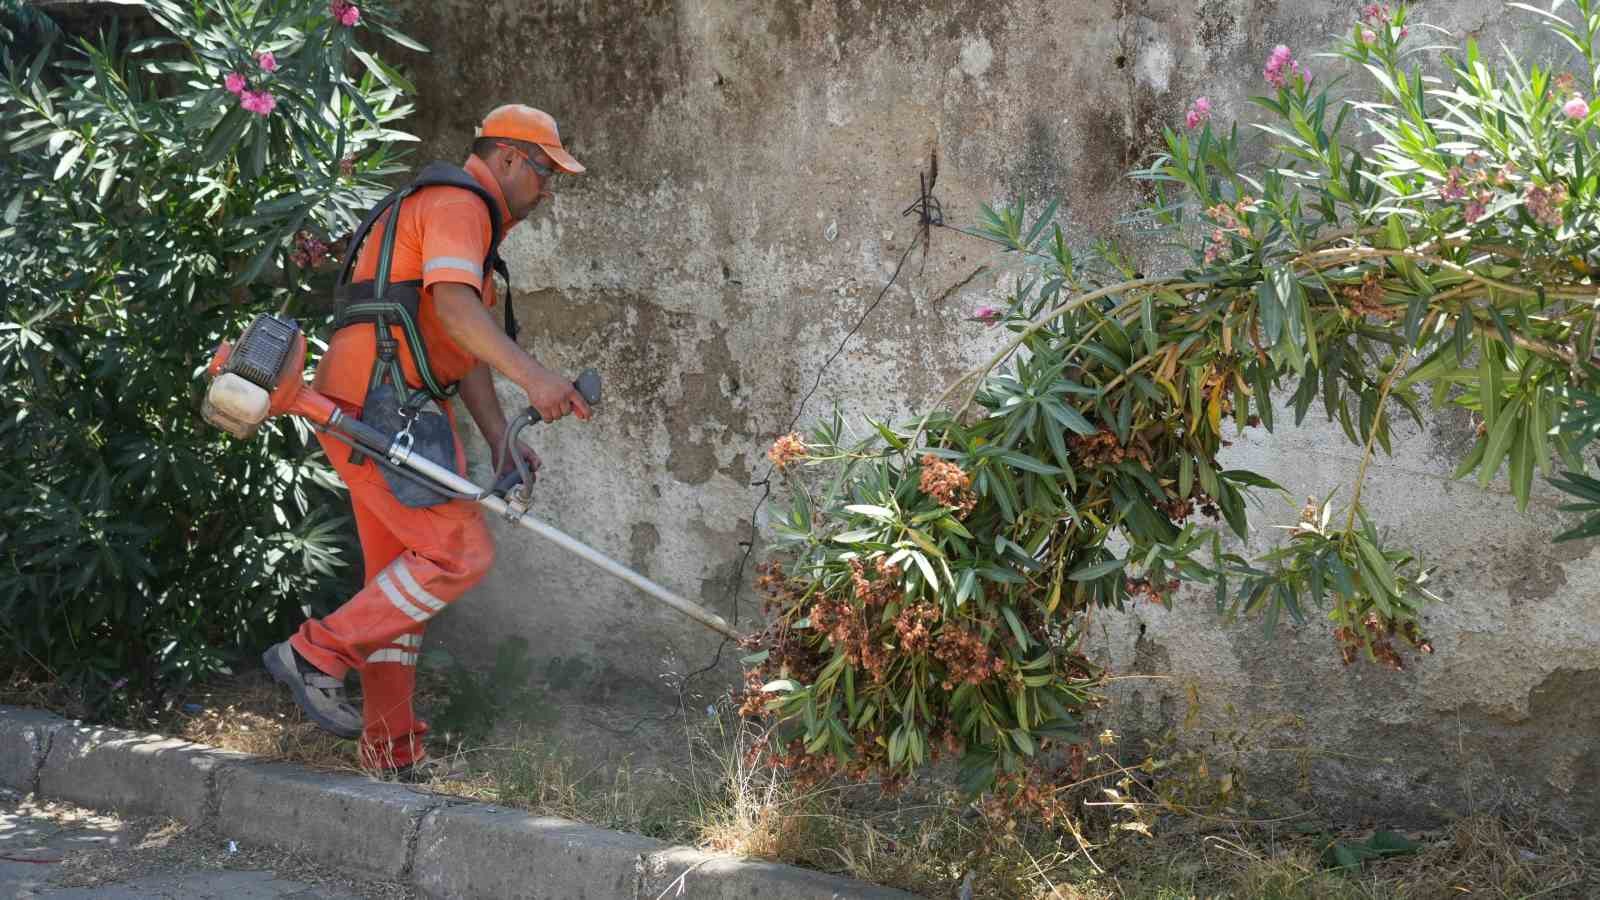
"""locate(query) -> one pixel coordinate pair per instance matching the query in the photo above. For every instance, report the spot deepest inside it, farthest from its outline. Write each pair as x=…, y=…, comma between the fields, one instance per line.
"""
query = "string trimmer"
x=263, y=375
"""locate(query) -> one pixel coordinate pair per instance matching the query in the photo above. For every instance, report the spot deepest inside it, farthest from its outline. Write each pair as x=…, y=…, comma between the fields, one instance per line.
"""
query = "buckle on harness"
x=400, y=447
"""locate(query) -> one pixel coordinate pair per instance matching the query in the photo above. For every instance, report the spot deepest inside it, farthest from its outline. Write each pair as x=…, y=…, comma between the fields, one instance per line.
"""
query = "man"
x=420, y=558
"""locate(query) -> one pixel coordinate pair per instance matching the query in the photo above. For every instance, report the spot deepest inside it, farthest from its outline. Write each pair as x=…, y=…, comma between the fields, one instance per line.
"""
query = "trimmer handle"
x=588, y=385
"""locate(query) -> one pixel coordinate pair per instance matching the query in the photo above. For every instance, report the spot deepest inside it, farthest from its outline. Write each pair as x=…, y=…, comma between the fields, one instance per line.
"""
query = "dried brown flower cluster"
x=788, y=656
x=914, y=626
x=1177, y=509
x=1367, y=300
x=1381, y=636
x=1155, y=592
x=966, y=657
x=945, y=482
x=786, y=450
x=1098, y=449
x=1027, y=797
x=777, y=589
x=881, y=589
x=850, y=630
x=1229, y=221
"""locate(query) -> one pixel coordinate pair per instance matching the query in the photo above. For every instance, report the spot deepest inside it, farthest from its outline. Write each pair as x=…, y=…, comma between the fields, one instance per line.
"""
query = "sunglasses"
x=544, y=171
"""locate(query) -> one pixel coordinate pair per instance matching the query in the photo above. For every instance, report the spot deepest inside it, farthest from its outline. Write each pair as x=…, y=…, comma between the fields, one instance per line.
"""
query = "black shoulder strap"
x=443, y=173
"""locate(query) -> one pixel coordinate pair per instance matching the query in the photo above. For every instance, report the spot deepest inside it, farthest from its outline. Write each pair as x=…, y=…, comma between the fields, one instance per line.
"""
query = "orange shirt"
x=444, y=236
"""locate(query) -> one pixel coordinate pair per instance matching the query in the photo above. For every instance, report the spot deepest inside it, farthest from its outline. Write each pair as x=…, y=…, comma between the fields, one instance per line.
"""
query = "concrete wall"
x=748, y=166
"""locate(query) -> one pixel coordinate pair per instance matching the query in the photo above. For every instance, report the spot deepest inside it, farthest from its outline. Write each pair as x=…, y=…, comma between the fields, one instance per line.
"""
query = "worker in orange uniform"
x=414, y=328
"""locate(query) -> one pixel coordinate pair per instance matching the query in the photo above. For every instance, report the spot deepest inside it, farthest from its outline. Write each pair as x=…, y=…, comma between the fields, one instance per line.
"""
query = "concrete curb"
x=447, y=848
x=24, y=740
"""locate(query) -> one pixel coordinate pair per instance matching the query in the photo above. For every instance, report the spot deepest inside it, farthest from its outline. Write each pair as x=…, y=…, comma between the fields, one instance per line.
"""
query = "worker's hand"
x=554, y=396
x=529, y=458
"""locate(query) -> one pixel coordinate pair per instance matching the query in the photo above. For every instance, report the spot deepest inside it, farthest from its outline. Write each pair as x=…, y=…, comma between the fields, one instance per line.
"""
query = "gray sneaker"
x=320, y=696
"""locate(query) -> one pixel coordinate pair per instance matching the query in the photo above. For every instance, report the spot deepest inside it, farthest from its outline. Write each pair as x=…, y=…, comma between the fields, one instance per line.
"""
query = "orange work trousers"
x=417, y=562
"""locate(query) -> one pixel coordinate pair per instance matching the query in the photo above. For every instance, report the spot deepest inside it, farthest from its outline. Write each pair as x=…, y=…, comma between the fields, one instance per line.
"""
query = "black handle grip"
x=588, y=385
x=507, y=481
x=371, y=439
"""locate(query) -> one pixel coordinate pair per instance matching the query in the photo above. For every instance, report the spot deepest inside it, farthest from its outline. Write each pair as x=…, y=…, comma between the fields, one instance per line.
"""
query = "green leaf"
x=1091, y=571
x=976, y=773
x=966, y=585
x=874, y=512
x=70, y=157
x=1500, y=435
x=927, y=570
x=1391, y=843
x=1463, y=337
x=1023, y=741
x=1521, y=472
x=1342, y=579
x=1375, y=559
x=1017, y=632
x=224, y=136
x=1501, y=326
x=1271, y=308
x=1028, y=463
x=1067, y=416
x=1243, y=476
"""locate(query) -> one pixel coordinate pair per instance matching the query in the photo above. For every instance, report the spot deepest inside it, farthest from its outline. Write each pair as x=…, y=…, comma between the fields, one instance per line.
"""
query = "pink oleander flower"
x=1544, y=203
x=259, y=102
x=1282, y=64
x=1576, y=108
x=234, y=82
x=1374, y=14
x=1199, y=112
x=989, y=315
x=268, y=62
x=309, y=250
x=1368, y=36
x=1273, y=72
x=1477, y=208
x=1453, y=188
x=347, y=13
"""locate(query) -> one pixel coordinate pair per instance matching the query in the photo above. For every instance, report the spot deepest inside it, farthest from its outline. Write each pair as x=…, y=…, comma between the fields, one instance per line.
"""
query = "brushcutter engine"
x=256, y=377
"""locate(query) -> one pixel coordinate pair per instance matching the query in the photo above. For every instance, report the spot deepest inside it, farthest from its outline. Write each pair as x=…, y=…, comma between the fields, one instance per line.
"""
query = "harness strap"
x=382, y=303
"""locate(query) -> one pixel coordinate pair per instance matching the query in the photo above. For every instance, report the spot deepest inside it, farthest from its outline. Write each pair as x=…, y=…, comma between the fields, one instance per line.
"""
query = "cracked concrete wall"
x=749, y=163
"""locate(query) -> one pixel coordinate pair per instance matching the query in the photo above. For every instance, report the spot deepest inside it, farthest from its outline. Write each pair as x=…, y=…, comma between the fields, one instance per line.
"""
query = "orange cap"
x=524, y=123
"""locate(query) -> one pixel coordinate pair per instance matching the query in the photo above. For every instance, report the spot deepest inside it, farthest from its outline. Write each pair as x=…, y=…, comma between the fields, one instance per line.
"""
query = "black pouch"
x=431, y=438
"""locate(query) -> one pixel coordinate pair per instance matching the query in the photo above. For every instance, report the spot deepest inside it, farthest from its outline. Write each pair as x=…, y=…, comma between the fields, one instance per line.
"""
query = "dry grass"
x=926, y=840
x=251, y=714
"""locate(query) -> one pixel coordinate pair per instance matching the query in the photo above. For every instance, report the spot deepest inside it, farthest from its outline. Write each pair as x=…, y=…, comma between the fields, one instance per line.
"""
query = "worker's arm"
x=469, y=324
x=477, y=393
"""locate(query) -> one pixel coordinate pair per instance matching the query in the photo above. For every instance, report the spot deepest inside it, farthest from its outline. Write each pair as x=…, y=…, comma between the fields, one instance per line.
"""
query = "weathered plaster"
x=748, y=166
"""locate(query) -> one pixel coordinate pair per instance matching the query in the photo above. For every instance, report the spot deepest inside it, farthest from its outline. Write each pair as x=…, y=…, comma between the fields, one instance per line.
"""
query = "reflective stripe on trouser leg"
x=405, y=652
x=403, y=592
